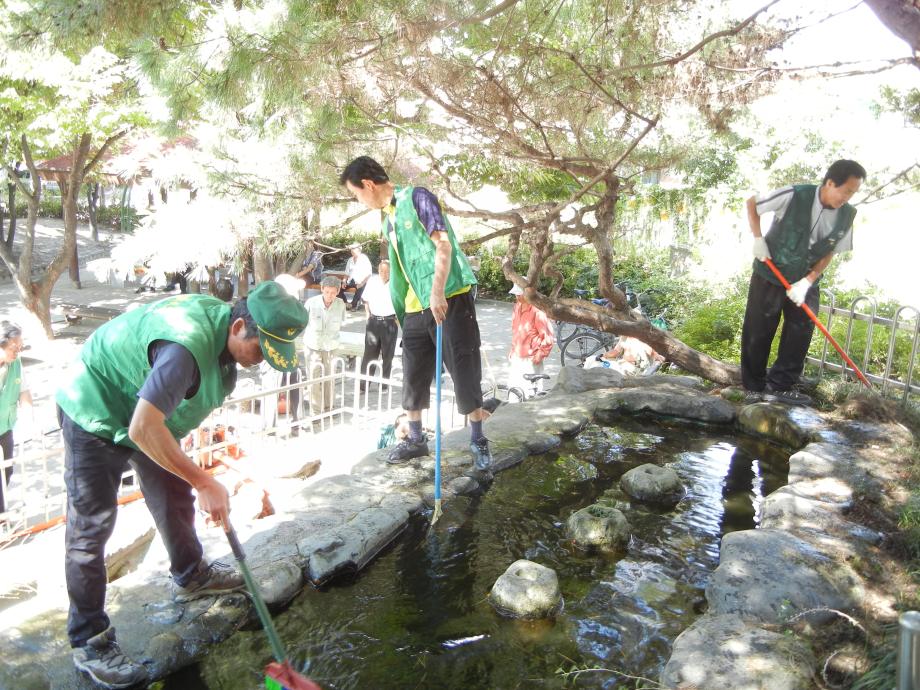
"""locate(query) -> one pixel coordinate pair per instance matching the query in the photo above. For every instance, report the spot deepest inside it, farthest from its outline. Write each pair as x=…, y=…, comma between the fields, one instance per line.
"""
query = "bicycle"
x=501, y=393
x=587, y=342
x=535, y=391
x=504, y=393
x=564, y=330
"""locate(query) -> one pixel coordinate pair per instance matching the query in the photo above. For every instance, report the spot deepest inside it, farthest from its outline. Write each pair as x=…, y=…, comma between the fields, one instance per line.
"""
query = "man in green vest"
x=811, y=223
x=13, y=392
x=143, y=381
x=430, y=282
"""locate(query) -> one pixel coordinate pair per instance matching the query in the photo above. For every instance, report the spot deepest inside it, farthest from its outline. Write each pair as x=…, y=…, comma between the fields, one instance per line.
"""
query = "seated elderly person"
x=630, y=356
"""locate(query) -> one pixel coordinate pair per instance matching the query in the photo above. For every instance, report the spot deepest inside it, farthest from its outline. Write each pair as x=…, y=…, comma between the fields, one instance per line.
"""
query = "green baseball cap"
x=280, y=318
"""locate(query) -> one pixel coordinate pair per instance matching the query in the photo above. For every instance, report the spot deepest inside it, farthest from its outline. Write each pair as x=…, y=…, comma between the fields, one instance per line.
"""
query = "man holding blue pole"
x=430, y=285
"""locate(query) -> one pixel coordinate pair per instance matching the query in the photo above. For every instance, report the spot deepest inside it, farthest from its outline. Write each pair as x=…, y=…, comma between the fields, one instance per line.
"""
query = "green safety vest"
x=789, y=237
x=9, y=395
x=113, y=366
x=412, y=256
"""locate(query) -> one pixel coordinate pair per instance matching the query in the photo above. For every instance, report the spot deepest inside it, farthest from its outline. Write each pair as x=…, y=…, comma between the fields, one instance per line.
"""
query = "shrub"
x=50, y=208
x=110, y=216
x=714, y=325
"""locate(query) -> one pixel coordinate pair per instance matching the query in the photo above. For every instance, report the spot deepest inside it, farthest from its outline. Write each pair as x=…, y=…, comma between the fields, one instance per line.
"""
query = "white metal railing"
x=36, y=495
x=904, y=323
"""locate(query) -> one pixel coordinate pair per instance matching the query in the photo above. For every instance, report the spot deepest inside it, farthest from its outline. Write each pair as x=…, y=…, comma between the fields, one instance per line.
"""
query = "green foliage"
x=907, y=103
x=524, y=184
x=110, y=216
x=714, y=326
x=492, y=281
x=715, y=166
x=645, y=273
x=50, y=208
x=814, y=154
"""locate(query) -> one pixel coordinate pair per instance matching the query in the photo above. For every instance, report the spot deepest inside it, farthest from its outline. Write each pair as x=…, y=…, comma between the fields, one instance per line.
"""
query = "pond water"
x=418, y=617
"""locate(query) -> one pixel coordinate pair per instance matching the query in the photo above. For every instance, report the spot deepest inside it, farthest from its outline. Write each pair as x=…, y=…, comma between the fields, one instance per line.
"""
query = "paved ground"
x=40, y=484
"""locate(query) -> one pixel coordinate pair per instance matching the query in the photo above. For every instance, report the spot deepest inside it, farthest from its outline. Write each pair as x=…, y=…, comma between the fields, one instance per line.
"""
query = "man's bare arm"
x=442, y=255
x=148, y=430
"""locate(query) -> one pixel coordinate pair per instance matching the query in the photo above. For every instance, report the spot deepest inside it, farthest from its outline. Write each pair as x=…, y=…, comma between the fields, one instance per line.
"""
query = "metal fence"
x=36, y=496
x=859, y=327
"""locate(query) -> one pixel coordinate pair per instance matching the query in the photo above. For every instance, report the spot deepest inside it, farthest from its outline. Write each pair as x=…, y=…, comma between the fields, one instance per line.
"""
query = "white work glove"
x=798, y=290
x=761, y=250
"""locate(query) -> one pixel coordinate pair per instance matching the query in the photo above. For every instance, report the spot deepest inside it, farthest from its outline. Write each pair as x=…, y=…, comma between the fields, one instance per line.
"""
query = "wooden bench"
x=318, y=288
x=74, y=313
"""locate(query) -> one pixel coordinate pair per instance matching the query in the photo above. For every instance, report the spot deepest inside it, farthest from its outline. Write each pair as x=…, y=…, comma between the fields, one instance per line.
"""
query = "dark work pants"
x=358, y=292
x=460, y=350
x=6, y=445
x=92, y=471
x=380, y=341
x=766, y=303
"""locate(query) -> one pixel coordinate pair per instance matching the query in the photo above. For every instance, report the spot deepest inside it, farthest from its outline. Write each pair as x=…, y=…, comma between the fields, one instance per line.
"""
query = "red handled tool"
x=820, y=325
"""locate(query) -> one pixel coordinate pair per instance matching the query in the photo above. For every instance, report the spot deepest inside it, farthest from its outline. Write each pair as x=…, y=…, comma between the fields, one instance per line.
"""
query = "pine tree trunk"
x=242, y=289
x=11, y=205
x=262, y=265
x=40, y=306
x=92, y=199
x=212, y=280
x=70, y=185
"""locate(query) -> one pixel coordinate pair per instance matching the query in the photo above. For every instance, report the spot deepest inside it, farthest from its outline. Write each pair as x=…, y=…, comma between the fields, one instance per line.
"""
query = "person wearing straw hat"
x=532, y=340
x=321, y=339
x=811, y=223
x=142, y=382
x=430, y=284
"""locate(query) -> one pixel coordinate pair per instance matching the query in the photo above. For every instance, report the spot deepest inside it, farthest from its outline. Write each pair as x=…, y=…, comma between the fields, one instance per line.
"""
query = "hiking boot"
x=216, y=578
x=406, y=450
x=106, y=664
x=787, y=397
x=482, y=456
x=751, y=397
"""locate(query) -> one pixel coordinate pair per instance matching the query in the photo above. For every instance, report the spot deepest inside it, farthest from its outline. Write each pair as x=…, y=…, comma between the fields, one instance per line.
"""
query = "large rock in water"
x=788, y=426
x=598, y=525
x=725, y=653
x=527, y=590
x=771, y=575
x=666, y=399
x=653, y=484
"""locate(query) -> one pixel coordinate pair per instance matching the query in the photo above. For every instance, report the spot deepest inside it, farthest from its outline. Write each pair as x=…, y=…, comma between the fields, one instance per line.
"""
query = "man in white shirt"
x=811, y=223
x=321, y=339
x=358, y=270
x=382, y=327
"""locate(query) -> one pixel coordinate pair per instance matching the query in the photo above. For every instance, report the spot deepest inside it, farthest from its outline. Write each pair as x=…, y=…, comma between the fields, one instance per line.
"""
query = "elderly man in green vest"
x=811, y=223
x=430, y=284
x=142, y=382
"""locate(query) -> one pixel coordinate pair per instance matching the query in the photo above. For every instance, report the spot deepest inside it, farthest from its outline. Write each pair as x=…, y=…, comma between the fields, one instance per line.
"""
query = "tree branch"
x=670, y=62
x=101, y=152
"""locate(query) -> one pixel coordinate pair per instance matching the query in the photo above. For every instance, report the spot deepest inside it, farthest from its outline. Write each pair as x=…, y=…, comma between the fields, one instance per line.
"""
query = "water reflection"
x=418, y=616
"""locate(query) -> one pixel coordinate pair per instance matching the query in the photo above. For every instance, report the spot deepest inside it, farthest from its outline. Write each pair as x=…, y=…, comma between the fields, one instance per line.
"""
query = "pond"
x=418, y=617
